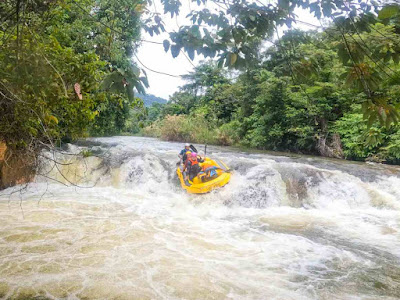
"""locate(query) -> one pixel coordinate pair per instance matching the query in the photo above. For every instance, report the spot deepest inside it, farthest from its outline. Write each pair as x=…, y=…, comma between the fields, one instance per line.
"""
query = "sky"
x=153, y=56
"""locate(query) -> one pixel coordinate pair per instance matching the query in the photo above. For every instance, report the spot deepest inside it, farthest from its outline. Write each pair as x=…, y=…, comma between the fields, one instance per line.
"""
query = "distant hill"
x=149, y=99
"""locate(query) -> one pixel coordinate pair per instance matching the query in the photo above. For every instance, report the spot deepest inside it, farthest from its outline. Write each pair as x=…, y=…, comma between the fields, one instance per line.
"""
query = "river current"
x=117, y=225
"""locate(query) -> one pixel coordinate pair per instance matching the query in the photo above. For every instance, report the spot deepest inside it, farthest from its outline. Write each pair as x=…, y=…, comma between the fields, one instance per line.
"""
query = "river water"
x=117, y=225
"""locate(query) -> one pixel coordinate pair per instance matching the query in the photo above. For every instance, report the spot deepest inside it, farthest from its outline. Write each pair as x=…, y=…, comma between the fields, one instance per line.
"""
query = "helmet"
x=188, y=152
x=194, y=154
x=187, y=145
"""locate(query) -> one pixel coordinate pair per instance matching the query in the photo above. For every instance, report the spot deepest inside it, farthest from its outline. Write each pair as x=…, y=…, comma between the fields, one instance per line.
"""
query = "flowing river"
x=117, y=225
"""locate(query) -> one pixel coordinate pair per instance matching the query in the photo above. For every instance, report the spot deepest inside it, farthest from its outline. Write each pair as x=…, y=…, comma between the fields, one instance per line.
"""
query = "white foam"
x=278, y=230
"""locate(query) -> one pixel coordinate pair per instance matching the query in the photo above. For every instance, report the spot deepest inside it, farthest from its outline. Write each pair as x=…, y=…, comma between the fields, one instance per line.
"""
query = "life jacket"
x=193, y=161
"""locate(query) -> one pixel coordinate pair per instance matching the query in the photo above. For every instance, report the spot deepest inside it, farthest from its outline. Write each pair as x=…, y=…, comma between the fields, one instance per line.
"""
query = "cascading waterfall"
x=117, y=225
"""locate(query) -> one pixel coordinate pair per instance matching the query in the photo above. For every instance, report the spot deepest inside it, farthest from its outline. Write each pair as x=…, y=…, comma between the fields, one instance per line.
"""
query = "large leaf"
x=130, y=93
x=135, y=70
x=389, y=11
x=139, y=87
x=233, y=58
x=190, y=52
x=110, y=79
x=118, y=87
x=175, y=49
x=166, y=45
x=145, y=81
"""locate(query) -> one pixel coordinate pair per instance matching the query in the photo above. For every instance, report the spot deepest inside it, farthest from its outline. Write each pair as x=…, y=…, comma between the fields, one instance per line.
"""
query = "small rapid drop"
x=117, y=225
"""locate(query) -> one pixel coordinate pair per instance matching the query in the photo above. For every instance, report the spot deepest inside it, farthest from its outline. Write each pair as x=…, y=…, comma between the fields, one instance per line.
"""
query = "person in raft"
x=208, y=172
x=183, y=155
x=192, y=165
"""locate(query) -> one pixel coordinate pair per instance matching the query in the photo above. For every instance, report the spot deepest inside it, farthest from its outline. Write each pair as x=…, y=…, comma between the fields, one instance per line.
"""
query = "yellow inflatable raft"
x=204, y=183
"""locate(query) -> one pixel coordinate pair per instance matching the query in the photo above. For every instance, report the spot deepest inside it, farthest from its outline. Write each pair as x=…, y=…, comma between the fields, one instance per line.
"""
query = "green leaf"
x=343, y=53
x=117, y=87
x=396, y=58
x=130, y=93
x=371, y=120
x=121, y=71
x=233, y=58
x=139, y=87
x=220, y=62
x=110, y=79
x=389, y=11
x=145, y=81
x=135, y=70
x=166, y=45
x=388, y=122
x=190, y=52
x=175, y=49
x=53, y=119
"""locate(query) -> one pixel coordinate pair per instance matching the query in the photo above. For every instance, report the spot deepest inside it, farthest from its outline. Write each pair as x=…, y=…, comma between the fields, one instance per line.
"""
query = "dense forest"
x=302, y=94
x=67, y=70
x=319, y=110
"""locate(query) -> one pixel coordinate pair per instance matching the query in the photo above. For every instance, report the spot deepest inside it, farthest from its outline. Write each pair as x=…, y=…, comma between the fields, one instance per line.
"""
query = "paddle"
x=193, y=148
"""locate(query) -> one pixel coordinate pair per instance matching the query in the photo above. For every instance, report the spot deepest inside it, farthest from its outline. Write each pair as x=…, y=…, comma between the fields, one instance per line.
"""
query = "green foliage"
x=53, y=57
x=376, y=143
x=233, y=33
x=186, y=128
x=351, y=128
x=154, y=112
x=300, y=100
x=39, y=104
x=180, y=103
x=389, y=11
x=392, y=149
x=193, y=128
x=267, y=118
x=228, y=134
x=86, y=153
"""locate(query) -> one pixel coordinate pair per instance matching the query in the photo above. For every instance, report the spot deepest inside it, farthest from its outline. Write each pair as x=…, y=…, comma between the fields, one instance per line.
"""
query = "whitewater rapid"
x=117, y=225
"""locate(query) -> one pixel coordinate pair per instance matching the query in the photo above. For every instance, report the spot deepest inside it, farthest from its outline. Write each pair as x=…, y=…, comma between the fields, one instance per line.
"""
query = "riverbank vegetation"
x=304, y=95
x=66, y=71
x=66, y=68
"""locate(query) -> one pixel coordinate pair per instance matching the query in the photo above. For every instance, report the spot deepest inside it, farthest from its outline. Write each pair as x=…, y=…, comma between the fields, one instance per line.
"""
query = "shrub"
x=177, y=128
x=383, y=145
x=228, y=134
x=392, y=150
x=351, y=128
x=183, y=128
x=153, y=130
